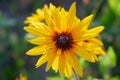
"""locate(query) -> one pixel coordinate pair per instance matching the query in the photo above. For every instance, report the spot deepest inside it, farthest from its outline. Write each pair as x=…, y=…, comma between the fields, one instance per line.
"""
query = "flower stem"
x=75, y=76
x=97, y=8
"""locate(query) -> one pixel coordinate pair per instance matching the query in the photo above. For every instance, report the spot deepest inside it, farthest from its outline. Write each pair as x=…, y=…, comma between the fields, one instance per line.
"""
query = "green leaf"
x=108, y=61
x=83, y=63
x=115, y=6
x=89, y=78
x=103, y=65
x=115, y=78
x=54, y=78
x=112, y=56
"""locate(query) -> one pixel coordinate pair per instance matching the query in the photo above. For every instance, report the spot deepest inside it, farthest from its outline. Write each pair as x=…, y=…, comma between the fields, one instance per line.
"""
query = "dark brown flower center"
x=63, y=41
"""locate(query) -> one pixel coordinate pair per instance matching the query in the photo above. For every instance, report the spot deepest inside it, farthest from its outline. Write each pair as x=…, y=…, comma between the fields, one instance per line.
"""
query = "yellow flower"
x=39, y=15
x=22, y=77
x=63, y=37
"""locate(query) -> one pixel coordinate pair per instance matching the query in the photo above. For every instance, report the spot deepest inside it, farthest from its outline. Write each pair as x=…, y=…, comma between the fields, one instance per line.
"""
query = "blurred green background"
x=13, y=45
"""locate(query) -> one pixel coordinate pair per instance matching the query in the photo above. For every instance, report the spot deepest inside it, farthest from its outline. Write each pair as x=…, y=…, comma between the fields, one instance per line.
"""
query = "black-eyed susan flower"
x=39, y=15
x=63, y=37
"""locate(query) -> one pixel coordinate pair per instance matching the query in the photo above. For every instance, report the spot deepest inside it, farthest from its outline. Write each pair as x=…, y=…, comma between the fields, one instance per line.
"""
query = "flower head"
x=63, y=37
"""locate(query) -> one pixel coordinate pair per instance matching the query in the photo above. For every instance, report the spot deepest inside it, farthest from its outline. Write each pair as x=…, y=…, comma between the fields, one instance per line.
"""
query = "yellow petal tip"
x=28, y=53
x=25, y=28
x=36, y=66
x=91, y=16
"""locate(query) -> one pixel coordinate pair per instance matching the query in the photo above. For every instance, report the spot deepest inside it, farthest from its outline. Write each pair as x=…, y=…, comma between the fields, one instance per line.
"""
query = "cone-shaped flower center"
x=63, y=41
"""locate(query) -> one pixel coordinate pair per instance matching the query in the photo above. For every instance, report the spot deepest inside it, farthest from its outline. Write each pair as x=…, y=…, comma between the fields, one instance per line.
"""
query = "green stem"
x=75, y=76
x=97, y=8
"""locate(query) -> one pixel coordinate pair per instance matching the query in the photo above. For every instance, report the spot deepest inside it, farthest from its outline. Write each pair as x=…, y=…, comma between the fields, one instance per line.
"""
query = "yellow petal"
x=41, y=60
x=30, y=18
x=51, y=57
x=75, y=26
x=85, y=22
x=43, y=27
x=74, y=62
x=45, y=57
x=95, y=57
x=62, y=63
x=59, y=51
x=87, y=36
x=63, y=20
x=57, y=18
x=80, y=51
x=48, y=18
x=35, y=31
x=52, y=7
x=95, y=41
x=71, y=14
x=55, y=64
x=95, y=30
x=68, y=70
x=101, y=51
x=41, y=41
x=40, y=12
x=36, y=51
x=91, y=33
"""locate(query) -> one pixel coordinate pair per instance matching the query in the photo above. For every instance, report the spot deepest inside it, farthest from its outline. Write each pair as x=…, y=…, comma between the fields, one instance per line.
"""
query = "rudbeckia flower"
x=39, y=15
x=62, y=38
